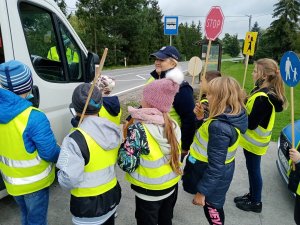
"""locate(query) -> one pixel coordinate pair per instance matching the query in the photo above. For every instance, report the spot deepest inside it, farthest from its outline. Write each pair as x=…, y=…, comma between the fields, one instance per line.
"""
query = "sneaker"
x=245, y=197
x=249, y=206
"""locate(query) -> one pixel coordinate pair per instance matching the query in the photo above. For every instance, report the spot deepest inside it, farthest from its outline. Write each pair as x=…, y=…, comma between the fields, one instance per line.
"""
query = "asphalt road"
x=278, y=204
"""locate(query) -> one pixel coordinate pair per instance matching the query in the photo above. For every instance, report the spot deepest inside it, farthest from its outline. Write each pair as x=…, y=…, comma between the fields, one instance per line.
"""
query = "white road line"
x=141, y=77
x=130, y=89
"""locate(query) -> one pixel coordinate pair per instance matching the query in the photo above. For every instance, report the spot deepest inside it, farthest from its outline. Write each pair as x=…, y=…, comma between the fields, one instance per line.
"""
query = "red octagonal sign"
x=214, y=23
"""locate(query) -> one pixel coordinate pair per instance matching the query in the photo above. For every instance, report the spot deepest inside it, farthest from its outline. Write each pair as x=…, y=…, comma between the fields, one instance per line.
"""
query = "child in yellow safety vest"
x=211, y=161
x=201, y=107
x=264, y=101
x=87, y=162
x=150, y=153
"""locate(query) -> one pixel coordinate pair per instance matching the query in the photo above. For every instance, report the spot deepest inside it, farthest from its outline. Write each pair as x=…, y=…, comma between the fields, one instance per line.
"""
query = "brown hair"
x=170, y=134
x=212, y=74
x=225, y=92
x=269, y=68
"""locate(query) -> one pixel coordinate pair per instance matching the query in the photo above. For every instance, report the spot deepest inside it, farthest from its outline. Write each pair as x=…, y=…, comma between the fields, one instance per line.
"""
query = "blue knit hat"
x=16, y=77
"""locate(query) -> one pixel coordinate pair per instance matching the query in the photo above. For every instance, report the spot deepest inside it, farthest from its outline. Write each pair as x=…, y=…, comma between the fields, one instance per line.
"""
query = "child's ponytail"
x=171, y=137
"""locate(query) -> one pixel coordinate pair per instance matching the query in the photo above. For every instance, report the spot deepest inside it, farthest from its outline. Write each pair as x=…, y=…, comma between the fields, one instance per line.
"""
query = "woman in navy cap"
x=166, y=59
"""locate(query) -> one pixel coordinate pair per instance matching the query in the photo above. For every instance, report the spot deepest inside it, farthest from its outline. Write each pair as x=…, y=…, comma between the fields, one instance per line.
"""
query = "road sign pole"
x=246, y=68
x=170, y=40
x=205, y=66
x=293, y=124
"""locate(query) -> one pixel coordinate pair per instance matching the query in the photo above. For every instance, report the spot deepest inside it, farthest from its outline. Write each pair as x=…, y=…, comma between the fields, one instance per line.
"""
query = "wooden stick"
x=194, y=71
x=97, y=74
x=293, y=124
x=205, y=66
x=246, y=68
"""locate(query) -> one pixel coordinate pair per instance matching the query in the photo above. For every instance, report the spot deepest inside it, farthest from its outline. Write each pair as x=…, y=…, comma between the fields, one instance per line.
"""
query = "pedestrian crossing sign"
x=249, y=44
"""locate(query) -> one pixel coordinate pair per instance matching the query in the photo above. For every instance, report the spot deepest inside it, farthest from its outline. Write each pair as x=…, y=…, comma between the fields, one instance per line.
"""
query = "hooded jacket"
x=37, y=134
x=213, y=179
x=75, y=155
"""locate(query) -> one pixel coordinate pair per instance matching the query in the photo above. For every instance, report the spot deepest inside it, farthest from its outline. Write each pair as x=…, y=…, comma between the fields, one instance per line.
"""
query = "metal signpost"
x=171, y=26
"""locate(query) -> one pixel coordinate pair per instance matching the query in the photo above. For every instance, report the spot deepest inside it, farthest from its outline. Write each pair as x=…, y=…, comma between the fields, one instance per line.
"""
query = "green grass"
x=236, y=70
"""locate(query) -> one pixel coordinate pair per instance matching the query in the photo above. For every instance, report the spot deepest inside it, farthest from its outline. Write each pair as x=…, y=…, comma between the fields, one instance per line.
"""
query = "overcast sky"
x=236, y=12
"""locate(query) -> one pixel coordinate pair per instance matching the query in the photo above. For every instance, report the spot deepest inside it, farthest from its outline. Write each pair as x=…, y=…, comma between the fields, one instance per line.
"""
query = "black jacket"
x=213, y=179
x=262, y=109
x=184, y=106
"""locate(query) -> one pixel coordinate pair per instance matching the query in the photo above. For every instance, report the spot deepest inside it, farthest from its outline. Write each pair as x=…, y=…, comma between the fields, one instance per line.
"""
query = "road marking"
x=143, y=78
x=130, y=89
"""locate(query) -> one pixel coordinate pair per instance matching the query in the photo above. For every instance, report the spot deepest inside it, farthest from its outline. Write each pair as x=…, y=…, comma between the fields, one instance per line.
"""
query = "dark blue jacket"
x=184, y=106
x=213, y=179
x=37, y=134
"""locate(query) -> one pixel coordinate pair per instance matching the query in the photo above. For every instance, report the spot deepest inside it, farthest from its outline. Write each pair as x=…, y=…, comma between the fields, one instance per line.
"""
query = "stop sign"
x=214, y=23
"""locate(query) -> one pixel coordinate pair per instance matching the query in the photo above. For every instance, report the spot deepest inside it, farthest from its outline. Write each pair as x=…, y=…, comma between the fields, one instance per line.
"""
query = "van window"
x=54, y=53
x=2, y=59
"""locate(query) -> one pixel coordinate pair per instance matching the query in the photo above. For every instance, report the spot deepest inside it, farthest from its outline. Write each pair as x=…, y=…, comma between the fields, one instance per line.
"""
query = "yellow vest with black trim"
x=257, y=141
x=199, y=146
x=154, y=171
x=173, y=114
x=105, y=114
x=22, y=172
x=72, y=56
x=99, y=173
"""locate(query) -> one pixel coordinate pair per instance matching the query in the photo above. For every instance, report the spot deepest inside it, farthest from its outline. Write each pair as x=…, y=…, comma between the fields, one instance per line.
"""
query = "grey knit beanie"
x=79, y=98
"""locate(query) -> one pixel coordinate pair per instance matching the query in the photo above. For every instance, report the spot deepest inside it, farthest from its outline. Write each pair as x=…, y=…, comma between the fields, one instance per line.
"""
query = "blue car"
x=284, y=144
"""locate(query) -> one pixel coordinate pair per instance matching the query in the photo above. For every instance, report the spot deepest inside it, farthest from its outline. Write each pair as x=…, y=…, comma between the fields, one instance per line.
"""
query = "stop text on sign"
x=213, y=23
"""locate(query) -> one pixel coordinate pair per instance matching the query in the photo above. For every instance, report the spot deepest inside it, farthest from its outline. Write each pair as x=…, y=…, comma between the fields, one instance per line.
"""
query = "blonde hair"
x=225, y=92
x=269, y=68
x=171, y=137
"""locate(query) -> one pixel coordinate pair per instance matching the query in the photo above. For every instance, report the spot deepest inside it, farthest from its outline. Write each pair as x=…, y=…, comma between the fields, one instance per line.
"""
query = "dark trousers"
x=255, y=179
x=213, y=215
x=155, y=212
x=297, y=210
x=110, y=221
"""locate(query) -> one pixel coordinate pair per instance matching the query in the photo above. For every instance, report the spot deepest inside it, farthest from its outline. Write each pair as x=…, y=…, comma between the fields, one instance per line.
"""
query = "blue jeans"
x=255, y=180
x=34, y=207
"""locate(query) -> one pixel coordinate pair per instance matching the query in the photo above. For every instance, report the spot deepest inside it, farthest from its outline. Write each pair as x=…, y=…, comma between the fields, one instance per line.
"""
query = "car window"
x=2, y=59
x=52, y=57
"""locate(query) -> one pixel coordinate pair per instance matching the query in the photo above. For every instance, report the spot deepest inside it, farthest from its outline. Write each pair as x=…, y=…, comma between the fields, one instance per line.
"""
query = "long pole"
x=205, y=66
x=293, y=124
x=170, y=40
x=97, y=74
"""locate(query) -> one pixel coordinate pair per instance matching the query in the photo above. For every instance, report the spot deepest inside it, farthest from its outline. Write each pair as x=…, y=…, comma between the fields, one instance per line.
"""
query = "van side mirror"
x=36, y=96
x=92, y=60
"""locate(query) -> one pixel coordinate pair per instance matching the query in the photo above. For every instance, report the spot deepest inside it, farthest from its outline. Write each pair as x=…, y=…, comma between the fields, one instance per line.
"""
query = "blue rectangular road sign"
x=171, y=25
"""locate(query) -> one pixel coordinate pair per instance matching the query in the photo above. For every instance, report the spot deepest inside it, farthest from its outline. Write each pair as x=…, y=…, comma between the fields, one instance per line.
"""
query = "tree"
x=282, y=33
x=231, y=45
x=62, y=5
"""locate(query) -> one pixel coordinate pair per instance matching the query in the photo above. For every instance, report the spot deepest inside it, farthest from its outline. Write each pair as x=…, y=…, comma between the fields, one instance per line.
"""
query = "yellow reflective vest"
x=199, y=146
x=99, y=173
x=22, y=172
x=72, y=56
x=173, y=114
x=154, y=171
x=105, y=114
x=257, y=141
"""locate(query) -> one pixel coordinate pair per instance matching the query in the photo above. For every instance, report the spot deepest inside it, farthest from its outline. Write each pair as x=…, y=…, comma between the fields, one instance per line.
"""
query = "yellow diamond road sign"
x=249, y=44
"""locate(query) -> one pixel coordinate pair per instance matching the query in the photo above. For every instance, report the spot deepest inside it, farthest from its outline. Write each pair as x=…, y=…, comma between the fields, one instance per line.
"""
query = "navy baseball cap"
x=167, y=52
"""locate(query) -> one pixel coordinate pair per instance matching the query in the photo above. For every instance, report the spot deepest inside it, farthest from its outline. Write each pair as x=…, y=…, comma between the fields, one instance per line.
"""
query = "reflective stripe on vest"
x=22, y=172
x=199, y=146
x=154, y=171
x=99, y=174
x=105, y=114
x=257, y=141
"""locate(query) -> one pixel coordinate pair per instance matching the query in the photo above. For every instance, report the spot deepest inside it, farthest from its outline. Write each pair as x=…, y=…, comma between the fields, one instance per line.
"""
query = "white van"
x=38, y=34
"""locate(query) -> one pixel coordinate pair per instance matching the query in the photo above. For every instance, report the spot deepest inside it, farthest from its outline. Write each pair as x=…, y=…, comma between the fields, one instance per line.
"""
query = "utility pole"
x=250, y=17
